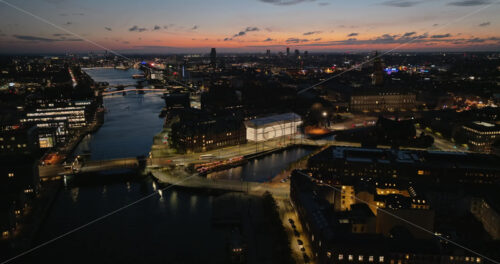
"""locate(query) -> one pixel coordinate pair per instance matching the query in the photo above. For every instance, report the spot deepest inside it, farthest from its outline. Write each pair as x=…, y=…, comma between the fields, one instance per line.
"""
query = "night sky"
x=132, y=26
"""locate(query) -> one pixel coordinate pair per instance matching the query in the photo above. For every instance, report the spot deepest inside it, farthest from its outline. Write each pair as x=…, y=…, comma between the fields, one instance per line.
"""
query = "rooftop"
x=274, y=119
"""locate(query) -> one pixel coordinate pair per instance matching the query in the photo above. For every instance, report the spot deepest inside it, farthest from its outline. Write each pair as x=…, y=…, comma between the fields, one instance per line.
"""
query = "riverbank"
x=35, y=216
x=178, y=177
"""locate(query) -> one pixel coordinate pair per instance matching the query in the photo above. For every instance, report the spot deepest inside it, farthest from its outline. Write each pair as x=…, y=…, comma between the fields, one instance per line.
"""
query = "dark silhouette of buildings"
x=429, y=167
x=213, y=58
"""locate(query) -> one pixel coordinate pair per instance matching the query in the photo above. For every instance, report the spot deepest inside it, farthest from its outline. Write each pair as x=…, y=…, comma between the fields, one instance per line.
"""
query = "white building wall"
x=267, y=132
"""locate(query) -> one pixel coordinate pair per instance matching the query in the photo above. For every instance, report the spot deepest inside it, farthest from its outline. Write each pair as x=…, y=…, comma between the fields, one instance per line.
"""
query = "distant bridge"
x=132, y=90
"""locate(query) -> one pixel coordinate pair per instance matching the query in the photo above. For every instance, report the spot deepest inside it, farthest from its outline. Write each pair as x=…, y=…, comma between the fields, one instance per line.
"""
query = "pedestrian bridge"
x=85, y=167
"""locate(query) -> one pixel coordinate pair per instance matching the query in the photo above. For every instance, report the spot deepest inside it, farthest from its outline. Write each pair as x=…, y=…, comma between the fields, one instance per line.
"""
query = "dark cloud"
x=285, y=2
x=296, y=40
x=408, y=34
x=68, y=23
x=125, y=42
x=435, y=25
x=195, y=27
x=136, y=28
x=408, y=37
x=476, y=40
x=323, y=4
x=353, y=34
x=470, y=2
x=268, y=39
x=422, y=39
x=108, y=28
x=78, y=14
x=239, y=34
x=156, y=27
x=485, y=24
x=250, y=29
x=242, y=33
x=311, y=33
x=317, y=39
x=61, y=35
x=400, y=3
x=441, y=36
x=42, y=39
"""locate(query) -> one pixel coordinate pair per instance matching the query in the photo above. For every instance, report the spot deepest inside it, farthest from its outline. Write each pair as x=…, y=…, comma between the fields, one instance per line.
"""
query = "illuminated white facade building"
x=270, y=127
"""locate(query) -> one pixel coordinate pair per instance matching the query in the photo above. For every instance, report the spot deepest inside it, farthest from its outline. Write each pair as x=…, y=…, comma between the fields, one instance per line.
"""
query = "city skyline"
x=249, y=26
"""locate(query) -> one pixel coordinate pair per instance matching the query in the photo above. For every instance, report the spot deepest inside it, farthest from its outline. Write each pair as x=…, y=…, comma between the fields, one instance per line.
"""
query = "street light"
x=325, y=114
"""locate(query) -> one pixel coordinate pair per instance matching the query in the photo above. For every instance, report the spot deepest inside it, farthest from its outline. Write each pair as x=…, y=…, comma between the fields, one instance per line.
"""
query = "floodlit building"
x=270, y=127
x=481, y=135
x=55, y=119
x=382, y=101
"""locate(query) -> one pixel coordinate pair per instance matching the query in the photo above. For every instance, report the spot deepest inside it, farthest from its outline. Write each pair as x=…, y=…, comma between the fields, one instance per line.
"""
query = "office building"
x=481, y=136
x=195, y=131
x=381, y=100
x=55, y=119
x=213, y=58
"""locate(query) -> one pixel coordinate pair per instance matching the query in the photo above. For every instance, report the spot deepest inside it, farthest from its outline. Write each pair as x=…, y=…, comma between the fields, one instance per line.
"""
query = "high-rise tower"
x=378, y=71
x=213, y=58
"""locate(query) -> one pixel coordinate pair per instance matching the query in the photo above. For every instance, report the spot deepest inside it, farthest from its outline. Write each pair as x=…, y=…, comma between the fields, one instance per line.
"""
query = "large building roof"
x=272, y=120
x=480, y=126
x=438, y=159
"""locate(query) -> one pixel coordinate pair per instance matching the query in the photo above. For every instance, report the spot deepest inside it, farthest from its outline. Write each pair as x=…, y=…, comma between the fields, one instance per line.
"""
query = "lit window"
x=11, y=174
x=341, y=256
x=381, y=259
x=350, y=257
x=370, y=258
x=360, y=257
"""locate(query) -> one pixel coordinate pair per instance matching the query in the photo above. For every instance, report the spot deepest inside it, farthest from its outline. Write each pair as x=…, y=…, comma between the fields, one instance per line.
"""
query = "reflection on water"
x=265, y=168
x=165, y=228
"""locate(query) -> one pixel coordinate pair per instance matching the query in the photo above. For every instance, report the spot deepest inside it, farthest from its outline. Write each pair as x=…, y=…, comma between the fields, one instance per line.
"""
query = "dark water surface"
x=172, y=228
